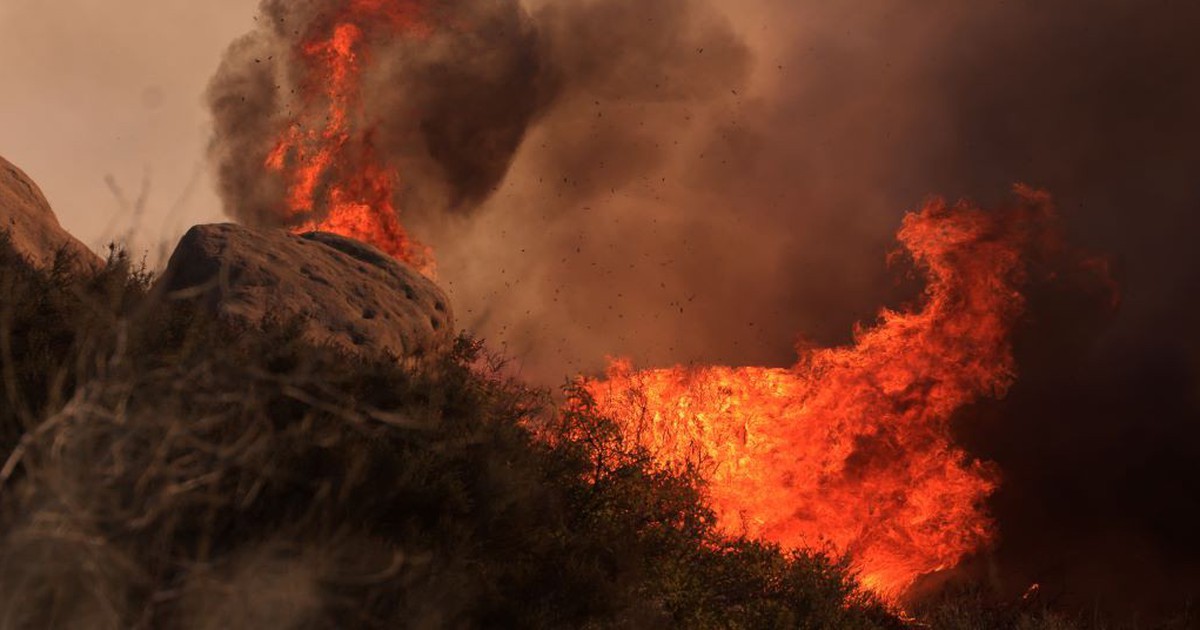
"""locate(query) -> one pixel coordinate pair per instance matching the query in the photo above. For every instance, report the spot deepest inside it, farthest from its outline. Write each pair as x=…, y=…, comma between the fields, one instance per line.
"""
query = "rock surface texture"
x=344, y=293
x=33, y=229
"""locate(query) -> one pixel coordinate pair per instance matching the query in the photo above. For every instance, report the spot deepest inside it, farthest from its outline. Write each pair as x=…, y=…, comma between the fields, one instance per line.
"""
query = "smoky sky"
x=701, y=181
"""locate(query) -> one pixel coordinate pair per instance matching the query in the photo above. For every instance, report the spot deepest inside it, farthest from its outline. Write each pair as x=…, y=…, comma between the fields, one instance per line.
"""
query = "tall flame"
x=852, y=446
x=335, y=180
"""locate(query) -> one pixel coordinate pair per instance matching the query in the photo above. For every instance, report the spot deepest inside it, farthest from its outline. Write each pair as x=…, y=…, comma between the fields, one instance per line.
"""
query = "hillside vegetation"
x=160, y=470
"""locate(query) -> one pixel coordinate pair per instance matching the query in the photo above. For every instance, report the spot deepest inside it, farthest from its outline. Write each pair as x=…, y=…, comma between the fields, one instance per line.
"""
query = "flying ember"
x=852, y=446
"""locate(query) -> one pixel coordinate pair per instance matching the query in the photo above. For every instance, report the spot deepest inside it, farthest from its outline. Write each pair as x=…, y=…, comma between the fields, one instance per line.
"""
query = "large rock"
x=346, y=293
x=34, y=230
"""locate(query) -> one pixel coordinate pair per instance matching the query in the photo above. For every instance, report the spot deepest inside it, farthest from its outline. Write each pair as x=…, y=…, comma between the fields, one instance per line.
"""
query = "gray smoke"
x=450, y=108
x=522, y=134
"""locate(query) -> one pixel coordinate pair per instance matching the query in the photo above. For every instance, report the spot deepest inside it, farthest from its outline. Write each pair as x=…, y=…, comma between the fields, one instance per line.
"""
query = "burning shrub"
x=179, y=479
x=853, y=445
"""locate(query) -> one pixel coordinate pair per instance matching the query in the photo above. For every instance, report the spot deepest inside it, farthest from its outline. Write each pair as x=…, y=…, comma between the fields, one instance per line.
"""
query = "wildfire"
x=335, y=180
x=852, y=446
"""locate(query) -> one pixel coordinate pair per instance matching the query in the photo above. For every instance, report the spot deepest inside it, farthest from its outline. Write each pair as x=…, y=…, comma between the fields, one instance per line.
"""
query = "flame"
x=335, y=180
x=852, y=447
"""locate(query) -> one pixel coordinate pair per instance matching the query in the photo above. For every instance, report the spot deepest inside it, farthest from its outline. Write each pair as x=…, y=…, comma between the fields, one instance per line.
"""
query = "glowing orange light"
x=852, y=446
x=335, y=179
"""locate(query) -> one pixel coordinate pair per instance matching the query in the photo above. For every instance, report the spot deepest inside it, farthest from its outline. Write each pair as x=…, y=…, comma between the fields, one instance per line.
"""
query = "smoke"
x=688, y=180
x=450, y=107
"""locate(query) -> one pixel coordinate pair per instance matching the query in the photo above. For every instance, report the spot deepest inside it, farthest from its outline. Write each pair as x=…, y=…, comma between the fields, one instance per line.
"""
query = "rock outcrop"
x=33, y=229
x=345, y=293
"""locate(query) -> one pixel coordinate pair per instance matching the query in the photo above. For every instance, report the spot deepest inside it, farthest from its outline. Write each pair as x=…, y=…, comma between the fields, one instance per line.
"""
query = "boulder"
x=34, y=231
x=346, y=293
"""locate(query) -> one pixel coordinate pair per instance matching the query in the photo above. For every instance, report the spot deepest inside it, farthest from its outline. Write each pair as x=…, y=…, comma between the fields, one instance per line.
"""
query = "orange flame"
x=335, y=180
x=852, y=446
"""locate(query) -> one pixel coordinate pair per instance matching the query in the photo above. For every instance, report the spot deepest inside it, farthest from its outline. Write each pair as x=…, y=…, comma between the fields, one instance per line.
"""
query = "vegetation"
x=158, y=470
x=161, y=470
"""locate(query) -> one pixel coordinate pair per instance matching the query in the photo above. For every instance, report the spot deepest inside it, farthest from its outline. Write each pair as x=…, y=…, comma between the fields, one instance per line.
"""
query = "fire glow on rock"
x=852, y=447
x=335, y=180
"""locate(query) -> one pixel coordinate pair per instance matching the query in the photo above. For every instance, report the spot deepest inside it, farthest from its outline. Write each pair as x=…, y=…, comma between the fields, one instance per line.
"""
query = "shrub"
x=163, y=470
x=52, y=323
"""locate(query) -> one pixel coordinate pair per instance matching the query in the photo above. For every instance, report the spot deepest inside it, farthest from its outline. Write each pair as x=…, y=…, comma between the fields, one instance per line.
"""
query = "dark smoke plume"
x=450, y=108
x=684, y=180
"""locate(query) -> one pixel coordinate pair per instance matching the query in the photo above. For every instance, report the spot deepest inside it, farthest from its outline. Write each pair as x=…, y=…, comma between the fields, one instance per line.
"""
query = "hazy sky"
x=98, y=88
